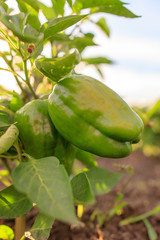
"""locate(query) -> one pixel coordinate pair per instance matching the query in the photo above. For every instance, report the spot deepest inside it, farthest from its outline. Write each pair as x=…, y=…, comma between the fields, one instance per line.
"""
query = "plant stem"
x=140, y=217
x=27, y=79
x=7, y=38
x=16, y=145
x=107, y=216
x=8, y=157
x=20, y=223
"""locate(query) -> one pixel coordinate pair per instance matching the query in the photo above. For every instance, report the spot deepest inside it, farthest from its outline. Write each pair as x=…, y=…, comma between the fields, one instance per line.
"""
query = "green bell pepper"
x=36, y=130
x=93, y=117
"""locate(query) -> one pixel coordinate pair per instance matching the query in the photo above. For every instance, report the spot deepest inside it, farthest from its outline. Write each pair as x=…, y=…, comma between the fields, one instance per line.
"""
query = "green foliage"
x=6, y=233
x=4, y=122
x=102, y=181
x=103, y=26
x=82, y=190
x=151, y=134
x=13, y=203
x=57, y=68
x=46, y=183
x=98, y=60
x=59, y=24
x=41, y=227
x=95, y=181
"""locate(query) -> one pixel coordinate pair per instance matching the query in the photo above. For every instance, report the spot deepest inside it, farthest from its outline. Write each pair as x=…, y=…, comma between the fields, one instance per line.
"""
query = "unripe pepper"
x=36, y=129
x=93, y=117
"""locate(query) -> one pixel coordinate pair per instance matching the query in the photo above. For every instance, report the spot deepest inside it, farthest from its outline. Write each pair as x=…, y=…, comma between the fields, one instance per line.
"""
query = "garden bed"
x=142, y=195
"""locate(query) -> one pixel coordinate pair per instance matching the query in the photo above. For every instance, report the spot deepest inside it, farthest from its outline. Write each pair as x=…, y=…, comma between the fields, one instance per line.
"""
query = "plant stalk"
x=27, y=79
x=20, y=224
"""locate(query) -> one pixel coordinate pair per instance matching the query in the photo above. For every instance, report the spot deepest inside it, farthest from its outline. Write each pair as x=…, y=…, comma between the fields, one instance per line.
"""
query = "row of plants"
x=58, y=117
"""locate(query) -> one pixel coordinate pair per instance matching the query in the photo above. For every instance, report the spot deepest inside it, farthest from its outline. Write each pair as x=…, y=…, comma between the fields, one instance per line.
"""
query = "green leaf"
x=46, y=183
x=116, y=10
x=103, y=26
x=70, y=3
x=85, y=157
x=33, y=13
x=151, y=232
x=60, y=24
x=82, y=4
x=102, y=181
x=13, y=204
x=56, y=68
x=16, y=102
x=155, y=109
x=59, y=6
x=4, y=5
x=48, y=12
x=8, y=138
x=82, y=190
x=41, y=227
x=6, y=233
x=4, y=122
x=32, y=35
x=16, y=24
x=65, y=152
x=97, y=60
x=99, y=71
x=33, y=3
x=81, y=43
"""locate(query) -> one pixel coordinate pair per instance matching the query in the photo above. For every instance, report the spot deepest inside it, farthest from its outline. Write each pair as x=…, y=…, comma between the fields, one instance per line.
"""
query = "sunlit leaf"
x=33, y=3
x=81, y=43
x=56, y=68
x=16, y=24
x=48, y=12
x=4, y=122
x=81, y=4
x=13, y=203
x=59, y=24
x=41, y=227
x=16, y=102
x=8, y=138
x=59, y=6
x=46, y=183
x=33, y=12
x=69, y=2
x=82, y=190
x=97, y=60
x=6, y=233
x=102, y=181
x=103, y=26
x=116, y=10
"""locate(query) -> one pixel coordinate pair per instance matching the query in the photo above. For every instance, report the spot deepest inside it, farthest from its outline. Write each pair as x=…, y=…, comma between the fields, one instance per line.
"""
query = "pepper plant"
x=57, y=115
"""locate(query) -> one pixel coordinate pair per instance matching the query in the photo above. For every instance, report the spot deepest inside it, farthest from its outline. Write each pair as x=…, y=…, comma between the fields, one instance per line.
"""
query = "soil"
x=142, y=195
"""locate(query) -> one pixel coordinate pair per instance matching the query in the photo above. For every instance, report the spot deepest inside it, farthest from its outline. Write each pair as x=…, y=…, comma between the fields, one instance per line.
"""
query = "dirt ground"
x=142, y=194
